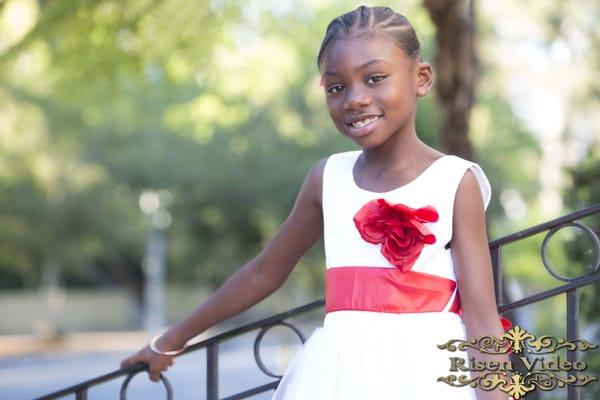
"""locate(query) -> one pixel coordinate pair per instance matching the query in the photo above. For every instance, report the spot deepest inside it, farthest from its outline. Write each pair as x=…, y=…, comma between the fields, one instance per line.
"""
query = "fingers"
x=154, y=375
x=142, y=356
x=157, y=364
x=155, y=370
x=129, y=361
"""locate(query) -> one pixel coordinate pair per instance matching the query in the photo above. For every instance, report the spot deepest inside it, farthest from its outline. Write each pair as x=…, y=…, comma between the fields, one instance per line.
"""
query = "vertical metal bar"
x=212, y=371
x=573, y=392
x=497, y=270
x=81, y=394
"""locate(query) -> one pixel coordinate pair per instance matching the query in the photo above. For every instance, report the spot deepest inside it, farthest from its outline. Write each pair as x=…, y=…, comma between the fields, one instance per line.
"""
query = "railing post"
x=497, y=270
x=81, y=394
x=212, y=371
x=573, y=392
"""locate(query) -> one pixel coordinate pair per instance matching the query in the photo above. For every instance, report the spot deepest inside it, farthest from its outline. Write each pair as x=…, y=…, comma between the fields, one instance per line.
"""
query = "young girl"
x=404, y=233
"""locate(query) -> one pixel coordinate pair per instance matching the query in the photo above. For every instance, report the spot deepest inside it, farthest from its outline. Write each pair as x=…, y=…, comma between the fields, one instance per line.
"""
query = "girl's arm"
x=473, y=269
x=254, y=281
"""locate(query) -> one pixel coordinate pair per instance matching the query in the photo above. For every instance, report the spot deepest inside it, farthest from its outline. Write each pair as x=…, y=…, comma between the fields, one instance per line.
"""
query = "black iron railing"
x=211, y=345
x=570, y=289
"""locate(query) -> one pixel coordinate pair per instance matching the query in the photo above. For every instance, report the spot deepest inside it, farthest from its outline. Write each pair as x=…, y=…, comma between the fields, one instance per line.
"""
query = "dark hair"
x=373, y=21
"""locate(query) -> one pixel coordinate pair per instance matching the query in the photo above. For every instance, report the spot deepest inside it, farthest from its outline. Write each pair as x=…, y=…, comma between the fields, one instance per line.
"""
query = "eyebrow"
x=374, y=61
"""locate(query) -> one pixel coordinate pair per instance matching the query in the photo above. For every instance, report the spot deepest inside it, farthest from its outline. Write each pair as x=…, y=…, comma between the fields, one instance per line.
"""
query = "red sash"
x=386, y=290
x=390, y=290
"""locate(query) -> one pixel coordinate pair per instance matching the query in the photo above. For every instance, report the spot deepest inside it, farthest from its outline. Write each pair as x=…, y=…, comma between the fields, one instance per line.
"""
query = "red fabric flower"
x=398, y=228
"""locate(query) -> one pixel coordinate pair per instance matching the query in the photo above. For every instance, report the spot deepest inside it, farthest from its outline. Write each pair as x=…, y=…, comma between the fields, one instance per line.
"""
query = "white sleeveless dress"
x=360, y=354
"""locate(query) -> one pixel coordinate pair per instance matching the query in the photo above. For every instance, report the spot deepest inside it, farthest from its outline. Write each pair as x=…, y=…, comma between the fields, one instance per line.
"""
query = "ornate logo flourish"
x=541, y=373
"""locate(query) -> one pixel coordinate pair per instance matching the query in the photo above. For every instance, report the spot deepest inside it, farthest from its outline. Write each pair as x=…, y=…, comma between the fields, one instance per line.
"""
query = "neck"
x=400, y=150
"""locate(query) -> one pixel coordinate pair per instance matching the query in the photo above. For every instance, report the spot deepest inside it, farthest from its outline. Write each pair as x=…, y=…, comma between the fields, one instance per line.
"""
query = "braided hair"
x=371, y=22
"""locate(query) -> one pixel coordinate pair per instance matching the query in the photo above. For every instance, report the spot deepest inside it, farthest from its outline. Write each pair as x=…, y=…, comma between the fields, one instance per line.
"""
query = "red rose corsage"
x=398, y=228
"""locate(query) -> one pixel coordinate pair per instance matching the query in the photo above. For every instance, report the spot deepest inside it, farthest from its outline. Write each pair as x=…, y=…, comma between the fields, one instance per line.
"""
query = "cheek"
x=335, y=108
x=395, y=95
x=330, y=108
x=400, y=103
x=337, y=117
x=334, y=114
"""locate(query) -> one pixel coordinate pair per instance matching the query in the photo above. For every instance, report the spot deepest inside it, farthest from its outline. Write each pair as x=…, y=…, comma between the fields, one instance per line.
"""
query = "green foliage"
x=217, y=103
x=83, y=99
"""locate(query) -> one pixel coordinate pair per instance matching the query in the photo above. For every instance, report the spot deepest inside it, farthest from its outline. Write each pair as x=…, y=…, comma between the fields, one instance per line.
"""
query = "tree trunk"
x=456, y=70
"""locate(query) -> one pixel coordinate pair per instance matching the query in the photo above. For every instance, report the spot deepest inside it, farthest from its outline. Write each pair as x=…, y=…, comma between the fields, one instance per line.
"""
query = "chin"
x=364, y=142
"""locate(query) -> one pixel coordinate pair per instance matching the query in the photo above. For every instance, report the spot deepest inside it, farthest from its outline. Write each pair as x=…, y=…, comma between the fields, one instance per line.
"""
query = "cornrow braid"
x=367, y=21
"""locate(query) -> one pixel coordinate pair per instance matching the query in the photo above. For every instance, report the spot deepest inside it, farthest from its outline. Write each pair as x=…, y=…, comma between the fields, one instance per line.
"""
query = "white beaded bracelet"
x=165, y=353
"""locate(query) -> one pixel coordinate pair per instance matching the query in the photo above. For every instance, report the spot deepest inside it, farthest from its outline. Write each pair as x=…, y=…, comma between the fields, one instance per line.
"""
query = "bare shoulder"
x=433, y=154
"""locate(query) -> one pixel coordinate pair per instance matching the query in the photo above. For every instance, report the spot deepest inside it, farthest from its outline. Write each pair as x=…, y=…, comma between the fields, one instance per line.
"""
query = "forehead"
x=347, y=54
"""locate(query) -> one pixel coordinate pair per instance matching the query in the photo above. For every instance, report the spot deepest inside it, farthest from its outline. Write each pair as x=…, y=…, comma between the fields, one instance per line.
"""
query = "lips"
x=364, y=122
x=365, y=128
x=361, y=117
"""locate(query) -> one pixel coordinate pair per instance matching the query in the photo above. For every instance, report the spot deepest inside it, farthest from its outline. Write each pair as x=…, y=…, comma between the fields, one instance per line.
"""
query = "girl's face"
x=375, y=82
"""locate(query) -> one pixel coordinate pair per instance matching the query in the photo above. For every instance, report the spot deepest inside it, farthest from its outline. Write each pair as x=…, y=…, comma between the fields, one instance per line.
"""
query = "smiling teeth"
x=360, y=124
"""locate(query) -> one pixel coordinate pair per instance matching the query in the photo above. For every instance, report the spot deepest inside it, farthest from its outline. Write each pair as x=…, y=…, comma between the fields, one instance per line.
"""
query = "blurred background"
x=148, y=149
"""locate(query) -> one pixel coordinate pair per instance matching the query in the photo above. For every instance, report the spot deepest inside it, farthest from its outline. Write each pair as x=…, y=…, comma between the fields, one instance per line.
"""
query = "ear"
x=424, y=78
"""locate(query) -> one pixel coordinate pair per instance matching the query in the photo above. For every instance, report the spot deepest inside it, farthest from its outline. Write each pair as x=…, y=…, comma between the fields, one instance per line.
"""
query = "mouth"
x=364, y=126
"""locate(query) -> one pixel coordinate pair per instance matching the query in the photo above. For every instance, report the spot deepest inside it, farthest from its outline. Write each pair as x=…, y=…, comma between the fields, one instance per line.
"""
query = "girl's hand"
x=157, y=363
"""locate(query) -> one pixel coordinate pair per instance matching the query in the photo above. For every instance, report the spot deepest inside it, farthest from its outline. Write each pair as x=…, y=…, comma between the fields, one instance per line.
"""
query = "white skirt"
x=360, y=355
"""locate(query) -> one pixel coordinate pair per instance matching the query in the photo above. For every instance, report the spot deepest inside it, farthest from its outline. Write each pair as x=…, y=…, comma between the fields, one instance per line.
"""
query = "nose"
x=356, y=99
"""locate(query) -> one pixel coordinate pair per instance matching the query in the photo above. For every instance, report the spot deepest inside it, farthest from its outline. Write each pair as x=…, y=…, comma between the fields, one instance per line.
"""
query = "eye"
x=330, y=90
x=377, y=78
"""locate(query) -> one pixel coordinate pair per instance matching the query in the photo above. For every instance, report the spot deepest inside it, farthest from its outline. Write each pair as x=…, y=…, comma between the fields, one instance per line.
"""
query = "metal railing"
x=212, y=344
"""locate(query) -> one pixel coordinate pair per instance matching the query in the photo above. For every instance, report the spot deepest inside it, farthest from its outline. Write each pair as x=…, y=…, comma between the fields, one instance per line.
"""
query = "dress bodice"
x=436, y=186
